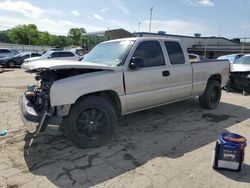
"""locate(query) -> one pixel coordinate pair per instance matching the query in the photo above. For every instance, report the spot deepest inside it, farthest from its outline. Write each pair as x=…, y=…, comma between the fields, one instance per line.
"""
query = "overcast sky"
x=229, y=18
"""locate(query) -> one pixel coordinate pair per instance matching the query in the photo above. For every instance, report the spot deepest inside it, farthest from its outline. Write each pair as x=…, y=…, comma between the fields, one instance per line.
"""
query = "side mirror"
x=136, y=63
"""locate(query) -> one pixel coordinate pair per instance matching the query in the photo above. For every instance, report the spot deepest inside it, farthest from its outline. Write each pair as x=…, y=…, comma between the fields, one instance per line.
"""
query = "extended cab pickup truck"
x=115, y=78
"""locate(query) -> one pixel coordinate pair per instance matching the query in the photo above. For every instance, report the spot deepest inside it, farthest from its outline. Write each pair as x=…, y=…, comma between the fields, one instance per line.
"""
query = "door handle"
x=165, y=73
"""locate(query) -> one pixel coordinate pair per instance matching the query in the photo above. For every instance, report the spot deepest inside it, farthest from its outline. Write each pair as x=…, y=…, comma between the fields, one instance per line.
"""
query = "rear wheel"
x=211, y=97
x=91, y=122
x=11, y=64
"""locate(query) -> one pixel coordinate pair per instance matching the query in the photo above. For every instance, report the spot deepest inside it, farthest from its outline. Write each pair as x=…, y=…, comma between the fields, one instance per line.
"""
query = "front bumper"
x=28, y=112
x=240, y=80
x=32, y=118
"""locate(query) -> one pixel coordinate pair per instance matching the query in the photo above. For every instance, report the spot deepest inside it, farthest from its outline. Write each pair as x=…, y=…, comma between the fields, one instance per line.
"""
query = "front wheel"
x=211, y=97
x=91, y=122
x=11, y=64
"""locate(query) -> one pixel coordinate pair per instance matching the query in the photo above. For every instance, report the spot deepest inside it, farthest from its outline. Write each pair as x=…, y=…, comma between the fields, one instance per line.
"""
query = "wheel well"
x=110, y=96
x=215, y=77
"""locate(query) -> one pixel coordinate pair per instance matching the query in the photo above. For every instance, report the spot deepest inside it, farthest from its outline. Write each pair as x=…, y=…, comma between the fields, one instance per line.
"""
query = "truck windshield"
x=109, y=53
x=243, y=60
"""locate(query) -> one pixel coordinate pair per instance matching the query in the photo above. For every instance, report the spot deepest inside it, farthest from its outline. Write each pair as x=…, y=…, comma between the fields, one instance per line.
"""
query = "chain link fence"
x=25, y=48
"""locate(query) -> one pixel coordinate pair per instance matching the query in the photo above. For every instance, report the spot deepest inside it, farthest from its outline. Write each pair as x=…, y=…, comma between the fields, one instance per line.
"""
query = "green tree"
x=60, y=41
x=236, y=40
x=24, y=34
x=44, y=38
x=75, y=35
x=4, y=36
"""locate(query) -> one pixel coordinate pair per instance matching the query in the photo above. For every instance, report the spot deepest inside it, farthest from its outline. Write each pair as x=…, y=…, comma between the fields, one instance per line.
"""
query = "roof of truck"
x=142, y=38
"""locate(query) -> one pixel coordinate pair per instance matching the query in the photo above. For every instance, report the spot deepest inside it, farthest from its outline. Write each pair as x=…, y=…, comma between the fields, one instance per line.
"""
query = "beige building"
x=211, y=47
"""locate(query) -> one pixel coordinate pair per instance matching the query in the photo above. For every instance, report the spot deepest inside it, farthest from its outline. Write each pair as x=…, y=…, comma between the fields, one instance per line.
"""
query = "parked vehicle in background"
x=79, y=51
x=60, y=55
x=231, y=57
x=18, y=59
x=115, y=78
x=53, y=49
x=195, y=58
x=240, y=74
x=4, y=52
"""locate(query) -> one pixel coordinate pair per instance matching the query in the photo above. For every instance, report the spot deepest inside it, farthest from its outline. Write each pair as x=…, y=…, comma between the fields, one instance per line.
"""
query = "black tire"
x=211, y=97
x=89, y=116
x=11, y=64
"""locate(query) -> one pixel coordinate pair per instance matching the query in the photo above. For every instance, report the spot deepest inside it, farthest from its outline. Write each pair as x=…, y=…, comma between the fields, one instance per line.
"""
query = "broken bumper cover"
x=28, y=112
x=31, y=118
x=240, y=80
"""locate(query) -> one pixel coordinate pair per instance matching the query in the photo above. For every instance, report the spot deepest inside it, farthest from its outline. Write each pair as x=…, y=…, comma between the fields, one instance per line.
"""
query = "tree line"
x=30, y=35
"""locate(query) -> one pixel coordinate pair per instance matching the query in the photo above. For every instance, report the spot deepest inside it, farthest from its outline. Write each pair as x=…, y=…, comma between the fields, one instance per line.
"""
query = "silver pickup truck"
x=117, y=77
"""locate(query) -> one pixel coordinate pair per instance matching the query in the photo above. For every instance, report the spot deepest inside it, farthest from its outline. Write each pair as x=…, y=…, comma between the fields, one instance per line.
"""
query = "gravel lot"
x=170, y=146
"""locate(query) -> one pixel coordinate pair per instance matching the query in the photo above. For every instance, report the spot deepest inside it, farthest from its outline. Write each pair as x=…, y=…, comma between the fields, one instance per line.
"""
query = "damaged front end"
x=35, y=103
x=240, y=81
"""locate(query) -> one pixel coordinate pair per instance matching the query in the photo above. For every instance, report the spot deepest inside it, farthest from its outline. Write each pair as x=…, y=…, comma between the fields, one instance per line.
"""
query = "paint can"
x=229, y=152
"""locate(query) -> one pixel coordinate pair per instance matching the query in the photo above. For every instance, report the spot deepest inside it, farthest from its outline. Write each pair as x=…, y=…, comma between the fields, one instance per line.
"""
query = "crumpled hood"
x=240, y=68
x=63, y=64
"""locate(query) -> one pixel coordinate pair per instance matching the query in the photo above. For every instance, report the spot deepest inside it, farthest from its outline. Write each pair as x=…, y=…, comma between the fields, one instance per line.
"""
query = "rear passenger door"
x=180, y=71
x=149, y=85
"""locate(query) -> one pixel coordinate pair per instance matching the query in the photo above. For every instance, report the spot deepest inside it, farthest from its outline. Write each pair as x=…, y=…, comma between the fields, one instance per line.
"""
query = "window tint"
x=175, y=52
x=25, y=56
x=56, y=55
x=35, y=55
x=66, y=54
x=4, y=51
x=151, y=53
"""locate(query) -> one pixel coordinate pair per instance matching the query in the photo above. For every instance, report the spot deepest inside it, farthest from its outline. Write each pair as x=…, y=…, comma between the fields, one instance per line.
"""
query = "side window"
x=35, y=55
x=151, y=53
x=25, y=56
x=175, y=52
x=66, y=54
x=55, y=55
x=4, y=51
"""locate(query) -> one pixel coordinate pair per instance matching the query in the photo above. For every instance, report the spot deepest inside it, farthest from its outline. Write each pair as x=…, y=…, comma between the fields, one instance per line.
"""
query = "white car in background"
x=56, y=55
x=195, y=58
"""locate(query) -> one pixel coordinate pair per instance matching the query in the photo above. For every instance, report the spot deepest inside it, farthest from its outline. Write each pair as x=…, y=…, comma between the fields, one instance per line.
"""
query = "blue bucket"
x=233, y=139
x=229, y=152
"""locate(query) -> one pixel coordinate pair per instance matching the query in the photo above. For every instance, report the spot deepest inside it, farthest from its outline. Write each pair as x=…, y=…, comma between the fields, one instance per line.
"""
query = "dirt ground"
x=169, y=146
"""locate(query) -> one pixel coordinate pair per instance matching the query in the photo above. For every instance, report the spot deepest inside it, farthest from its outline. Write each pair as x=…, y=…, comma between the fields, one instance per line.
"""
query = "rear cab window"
x=151, y=53
x=175, y=52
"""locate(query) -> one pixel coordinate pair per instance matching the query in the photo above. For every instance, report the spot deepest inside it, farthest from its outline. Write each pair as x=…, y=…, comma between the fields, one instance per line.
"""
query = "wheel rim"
x=11, y=64
x=215, y=95
x=91, y=123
